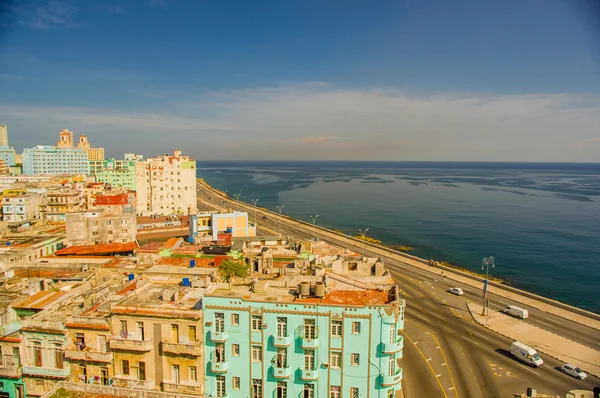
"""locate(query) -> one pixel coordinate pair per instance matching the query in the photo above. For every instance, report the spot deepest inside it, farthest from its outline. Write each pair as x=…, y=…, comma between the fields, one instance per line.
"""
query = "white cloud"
x=52, y=13
x=320, y=121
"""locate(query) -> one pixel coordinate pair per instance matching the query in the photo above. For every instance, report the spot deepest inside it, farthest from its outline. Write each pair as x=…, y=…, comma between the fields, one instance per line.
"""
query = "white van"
x=516, y=311
x=525, y=354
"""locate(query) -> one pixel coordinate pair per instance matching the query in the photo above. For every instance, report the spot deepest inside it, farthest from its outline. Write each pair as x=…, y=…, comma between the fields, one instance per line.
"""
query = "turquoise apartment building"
x=8, y=155
x=118, y=173
x=271, y=342
x=50, y=160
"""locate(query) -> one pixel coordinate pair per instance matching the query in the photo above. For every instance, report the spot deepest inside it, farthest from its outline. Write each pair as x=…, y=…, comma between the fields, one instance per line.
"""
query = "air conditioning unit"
x=264, y=325
x=326, y=365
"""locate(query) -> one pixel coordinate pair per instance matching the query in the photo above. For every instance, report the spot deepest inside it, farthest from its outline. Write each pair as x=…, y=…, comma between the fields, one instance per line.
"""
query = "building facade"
x=3, y=135
x=8, y=155
x=11, y=372
x=166, y=185
x=21, y=207
x=96, y=227
x=60, y=202
x=117, y=173
x=342, y=345
x=94, y=154
x=49, y=160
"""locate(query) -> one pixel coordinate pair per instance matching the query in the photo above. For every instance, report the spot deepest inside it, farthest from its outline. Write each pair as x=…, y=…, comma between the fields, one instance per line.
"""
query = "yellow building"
x=156, y=339
x=235, y=222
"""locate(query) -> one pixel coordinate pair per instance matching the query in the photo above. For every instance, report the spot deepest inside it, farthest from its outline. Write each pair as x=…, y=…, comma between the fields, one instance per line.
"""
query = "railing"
x=219, y=366
x=282, y=341
x=282, y=372
x=128, y=382
x=41, y=371
x=194, y=349
x=309, y=336
x=392, y=348
x=97, y=389
x=118, y=343
x=11, y=373
x=182, y=388
x=91, y=356
x=387, y=381
x=218, y=337
x=309, y=374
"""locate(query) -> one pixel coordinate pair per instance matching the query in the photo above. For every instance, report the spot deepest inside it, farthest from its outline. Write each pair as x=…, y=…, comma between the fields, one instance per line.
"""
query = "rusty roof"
x=38, y=301
x=87, y=326
x=349, y=297
x=171, y=243
x=106, y=248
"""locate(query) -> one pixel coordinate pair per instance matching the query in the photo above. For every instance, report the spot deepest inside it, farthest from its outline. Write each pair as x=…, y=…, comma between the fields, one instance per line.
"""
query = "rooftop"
x=39, y=301
x=100, y=249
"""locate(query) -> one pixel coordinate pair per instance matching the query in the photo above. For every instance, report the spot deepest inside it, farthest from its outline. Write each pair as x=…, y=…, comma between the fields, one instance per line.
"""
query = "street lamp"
x=485, y=263
x=255, y=201
x=363, y=233
x=237, y=196
x=313, y=228
x=279, y=208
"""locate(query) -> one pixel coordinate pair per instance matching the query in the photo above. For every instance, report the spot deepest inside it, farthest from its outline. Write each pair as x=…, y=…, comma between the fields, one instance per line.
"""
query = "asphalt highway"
x=446, y=354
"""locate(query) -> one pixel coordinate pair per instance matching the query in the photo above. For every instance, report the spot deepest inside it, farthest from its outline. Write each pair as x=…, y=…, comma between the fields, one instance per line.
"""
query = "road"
x=446, y=353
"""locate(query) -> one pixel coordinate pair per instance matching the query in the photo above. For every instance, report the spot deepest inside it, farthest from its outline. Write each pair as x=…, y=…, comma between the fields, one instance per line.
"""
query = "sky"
x=493, y=80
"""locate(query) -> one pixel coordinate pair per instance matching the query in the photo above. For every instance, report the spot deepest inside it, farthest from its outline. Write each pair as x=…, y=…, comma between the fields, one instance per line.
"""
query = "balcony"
x=309, y=336
x=392, y=348
x=46, y=372
x=282, y=341
x=11, y=373
x=310, y=374
x=193, y=349
x=219, y=367
x=388, y=381
x=87, y=355
x=218, y=337
x=282, y=373
x=129, y=382
x=388, y=320
x=118, y=343
x=182, y=388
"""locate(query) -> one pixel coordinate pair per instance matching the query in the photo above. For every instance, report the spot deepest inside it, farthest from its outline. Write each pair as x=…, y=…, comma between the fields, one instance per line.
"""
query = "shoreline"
x=546, y=301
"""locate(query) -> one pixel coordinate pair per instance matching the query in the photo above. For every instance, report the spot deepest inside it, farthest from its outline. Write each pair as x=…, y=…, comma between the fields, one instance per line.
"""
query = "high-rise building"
x=50, y=160
x=65, y=139
x=166, y=185
x=93, y=153
x=3, y=135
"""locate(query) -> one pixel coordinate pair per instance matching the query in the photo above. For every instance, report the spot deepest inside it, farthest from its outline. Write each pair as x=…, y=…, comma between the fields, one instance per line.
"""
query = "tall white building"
x=3, y=135
x=166, y=185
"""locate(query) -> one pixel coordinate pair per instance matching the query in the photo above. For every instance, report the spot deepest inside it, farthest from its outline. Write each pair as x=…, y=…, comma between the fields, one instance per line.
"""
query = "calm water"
x=540, y=221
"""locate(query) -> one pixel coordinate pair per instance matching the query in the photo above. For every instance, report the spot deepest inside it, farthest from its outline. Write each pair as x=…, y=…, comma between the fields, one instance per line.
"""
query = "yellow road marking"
x=428, y=364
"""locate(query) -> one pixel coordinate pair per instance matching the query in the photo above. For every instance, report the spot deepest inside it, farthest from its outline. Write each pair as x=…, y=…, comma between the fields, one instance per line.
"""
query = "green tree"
x=229, y=267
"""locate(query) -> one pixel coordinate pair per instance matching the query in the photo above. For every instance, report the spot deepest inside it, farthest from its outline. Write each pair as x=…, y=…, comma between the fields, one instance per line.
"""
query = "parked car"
x=573, y=371
x=515, y=311
x=525, y=354
x=264, y=217
x=456, y=290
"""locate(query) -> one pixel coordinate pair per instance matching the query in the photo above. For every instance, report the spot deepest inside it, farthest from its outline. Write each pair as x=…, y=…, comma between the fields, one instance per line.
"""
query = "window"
x=125, y=367
x=219, y=322
x=392, y=335
x=356, y=327
x=221, y=391
x=193, y=373
x=309, y=329
x=256, y=353
x=109, y=222
x=281, y=389
x=235, y=318
x=192, y=333
x=281, y=326
x=391, y=393
x=79, y=341
x=309, y=359
x=235, y=350
x=336, y=392
x=355, y=359
x=309, y=391
x=336, y=328
x=281, y=359
x=392, y=365
x=175, y=374
x=141, y=370
x=336, y=359
x=256, y=322
x=175, y=334
x=257, y=388
x=353, y=392
x=235, y=383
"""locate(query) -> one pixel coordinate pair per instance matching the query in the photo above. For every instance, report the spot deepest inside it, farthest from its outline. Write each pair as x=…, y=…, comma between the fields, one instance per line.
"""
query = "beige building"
x=65, y=139
x=62, y=201
x=94, y=154
x=96, y=227
x=157, y=339
x=166, y=185
x=3, y=135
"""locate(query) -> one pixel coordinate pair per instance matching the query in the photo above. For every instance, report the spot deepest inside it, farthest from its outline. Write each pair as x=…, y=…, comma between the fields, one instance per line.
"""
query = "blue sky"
x=392, y=80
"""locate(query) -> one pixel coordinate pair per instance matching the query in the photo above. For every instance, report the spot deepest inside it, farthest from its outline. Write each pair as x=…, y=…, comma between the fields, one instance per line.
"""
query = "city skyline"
x=403, y=81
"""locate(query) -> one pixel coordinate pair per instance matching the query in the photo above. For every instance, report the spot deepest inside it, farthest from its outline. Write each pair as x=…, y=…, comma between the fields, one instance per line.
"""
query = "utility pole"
x=485, y=263
x=363, y=233
x=255, y=201
x=313, y=228
x=280, y=208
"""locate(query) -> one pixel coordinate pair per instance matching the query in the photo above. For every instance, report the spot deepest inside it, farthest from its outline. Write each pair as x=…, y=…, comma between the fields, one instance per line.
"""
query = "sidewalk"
x=548, y=343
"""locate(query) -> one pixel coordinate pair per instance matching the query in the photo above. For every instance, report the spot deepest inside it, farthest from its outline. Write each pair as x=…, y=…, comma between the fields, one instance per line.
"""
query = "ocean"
x=541, y=221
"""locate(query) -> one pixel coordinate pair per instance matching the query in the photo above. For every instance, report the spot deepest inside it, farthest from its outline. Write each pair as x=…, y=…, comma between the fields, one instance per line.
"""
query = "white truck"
x=516, y=311
x=525, y=354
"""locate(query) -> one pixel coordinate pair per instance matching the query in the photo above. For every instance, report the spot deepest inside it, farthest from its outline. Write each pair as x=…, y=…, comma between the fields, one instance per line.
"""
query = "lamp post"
x=280, y=208
x=313, y=228
x=237, y=196
x=485, y=263
x=255, y=201
x=363, y=233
